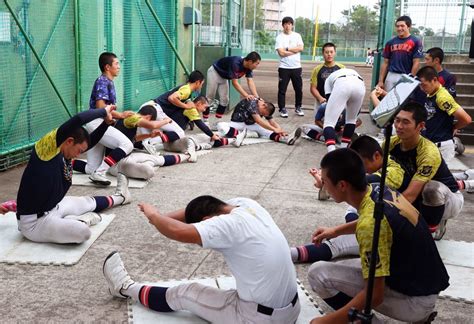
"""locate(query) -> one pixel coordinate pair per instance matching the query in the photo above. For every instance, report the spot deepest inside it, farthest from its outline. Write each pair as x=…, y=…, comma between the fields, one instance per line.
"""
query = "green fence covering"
x=49, y=61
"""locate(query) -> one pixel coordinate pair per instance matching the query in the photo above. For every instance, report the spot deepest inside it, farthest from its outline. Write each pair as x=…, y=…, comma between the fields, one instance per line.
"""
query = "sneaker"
x=90, y=218
x=440, y=230
x=323, y=194
x=99, y=178
x=283, y=113
x=116, y=275
x=122, y=189
x=191, y=150
x=299, y=111
x=294, y=136
x=458, y=146
x=240, y=138
x=150, y=148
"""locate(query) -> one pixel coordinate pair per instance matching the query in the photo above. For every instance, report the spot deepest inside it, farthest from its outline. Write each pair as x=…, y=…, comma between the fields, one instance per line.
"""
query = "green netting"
x=68, y=37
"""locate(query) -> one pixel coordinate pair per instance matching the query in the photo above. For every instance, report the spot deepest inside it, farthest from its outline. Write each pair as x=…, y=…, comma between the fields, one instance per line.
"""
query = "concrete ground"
x=274, y=174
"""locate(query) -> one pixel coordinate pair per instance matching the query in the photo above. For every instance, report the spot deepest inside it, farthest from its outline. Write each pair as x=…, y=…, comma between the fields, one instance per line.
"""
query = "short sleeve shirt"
x=423, y=163
x=407, y=256
x=255, y=250
x=397, y=178
x=184, y=94
x=448, y=80
x=103, y=89
x=289, y=40
x=401, y=52
x=440, y=107
x=232, y=67
x=128, y=126
x=321, y=73
x=244, y=110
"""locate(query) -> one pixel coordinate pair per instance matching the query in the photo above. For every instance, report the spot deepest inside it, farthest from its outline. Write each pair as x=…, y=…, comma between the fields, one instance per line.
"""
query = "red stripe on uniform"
x=303, y=253
x=224, y=141
x=110, y=200
x=330, y=142
x=277, y=138
x=164, y=138
x=345, y=140
x=144, y=293
x=236, y=132
x=219, y=115
x=177, y=158
x=109, y=160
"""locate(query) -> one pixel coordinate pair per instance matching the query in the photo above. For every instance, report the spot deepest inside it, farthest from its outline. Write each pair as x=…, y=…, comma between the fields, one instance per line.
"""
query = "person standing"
x=401, y=55
x=289, y=45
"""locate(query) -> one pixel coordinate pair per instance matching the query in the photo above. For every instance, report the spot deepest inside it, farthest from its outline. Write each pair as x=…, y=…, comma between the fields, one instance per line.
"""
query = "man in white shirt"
x=289, y=45
x=253, y=247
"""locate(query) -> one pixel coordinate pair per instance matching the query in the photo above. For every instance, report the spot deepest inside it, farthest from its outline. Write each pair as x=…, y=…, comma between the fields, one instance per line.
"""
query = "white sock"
x=344, y=145
x=118, y=199
x=331, y=148
x=294, y=254
x=133, y=291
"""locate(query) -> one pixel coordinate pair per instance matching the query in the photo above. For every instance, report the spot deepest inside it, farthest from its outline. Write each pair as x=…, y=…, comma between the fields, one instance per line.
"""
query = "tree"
x=305, y=27
x=264, y=38
x=360, y=20
x=249, y=14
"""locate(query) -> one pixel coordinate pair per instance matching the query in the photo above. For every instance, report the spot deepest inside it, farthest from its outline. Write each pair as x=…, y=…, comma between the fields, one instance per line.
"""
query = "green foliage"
x=360, y=21
x=249, y=14
x=264, y=38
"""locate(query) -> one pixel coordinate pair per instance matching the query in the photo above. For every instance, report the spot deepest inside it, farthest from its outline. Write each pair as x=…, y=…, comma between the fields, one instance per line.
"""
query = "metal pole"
x=253, y=25
x=40, y=62
x=28, y=67
x=193, y=32
x=461, y=34
x=77, y=57
x=279, y=11
x=444, y=24
x=168, y=39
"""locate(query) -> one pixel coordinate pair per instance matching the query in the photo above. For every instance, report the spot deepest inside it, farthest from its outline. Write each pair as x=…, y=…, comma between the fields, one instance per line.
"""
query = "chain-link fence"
x=444, y=23
x=49, y=61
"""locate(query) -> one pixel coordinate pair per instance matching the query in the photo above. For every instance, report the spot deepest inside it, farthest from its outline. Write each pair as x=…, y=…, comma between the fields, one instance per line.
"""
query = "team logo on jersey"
x=430, y=109
x=425, y=170
x=447, y=105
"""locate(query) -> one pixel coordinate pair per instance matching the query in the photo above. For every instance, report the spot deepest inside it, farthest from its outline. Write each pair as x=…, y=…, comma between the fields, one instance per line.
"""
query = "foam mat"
x=15, y=249
x=81, y=179
x=141, y=315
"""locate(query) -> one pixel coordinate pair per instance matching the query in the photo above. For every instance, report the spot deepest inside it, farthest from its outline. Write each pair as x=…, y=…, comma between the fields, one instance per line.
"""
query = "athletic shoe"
x=116, y=275
x=122, y=189
x=283, y=112
x=240, y=138
x=323, y=194
x=294, y=136
x=90, y=218
x=204, y=146
x=299, y=111
x=99, y=178
x=150, y=148
x=440, y=230
x=458, y=145
x=191, y=150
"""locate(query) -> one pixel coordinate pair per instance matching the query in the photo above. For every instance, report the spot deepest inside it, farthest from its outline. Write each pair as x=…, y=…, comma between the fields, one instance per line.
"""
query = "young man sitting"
x=253, y=247
x=248, y=115
x=409, y=272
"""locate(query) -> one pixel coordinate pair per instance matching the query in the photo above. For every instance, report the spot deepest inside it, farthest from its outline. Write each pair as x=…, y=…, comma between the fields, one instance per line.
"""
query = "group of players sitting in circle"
x=420, y=197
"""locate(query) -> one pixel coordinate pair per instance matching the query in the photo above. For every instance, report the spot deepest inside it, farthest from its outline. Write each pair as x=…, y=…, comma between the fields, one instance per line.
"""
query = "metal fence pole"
x=461, y=34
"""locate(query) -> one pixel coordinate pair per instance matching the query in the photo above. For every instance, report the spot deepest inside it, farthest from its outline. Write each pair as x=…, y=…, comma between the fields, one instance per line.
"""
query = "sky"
x=436, y=16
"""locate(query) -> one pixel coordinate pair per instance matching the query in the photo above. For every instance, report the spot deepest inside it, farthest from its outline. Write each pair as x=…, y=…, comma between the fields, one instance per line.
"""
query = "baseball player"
x=409, y=273
x=248, y=115
x=371, y=154
x=345, y=89
x=103, y=93
x=321, y=72
x=230, y=68
x=401, y=55
x=44, y=212
x=253, y=247
x=289, y=46
x=442, y=111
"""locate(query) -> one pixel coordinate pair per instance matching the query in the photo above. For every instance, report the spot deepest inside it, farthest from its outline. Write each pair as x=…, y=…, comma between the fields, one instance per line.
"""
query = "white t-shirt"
x=329, y=84
x=292, y=40
x=255, y=250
